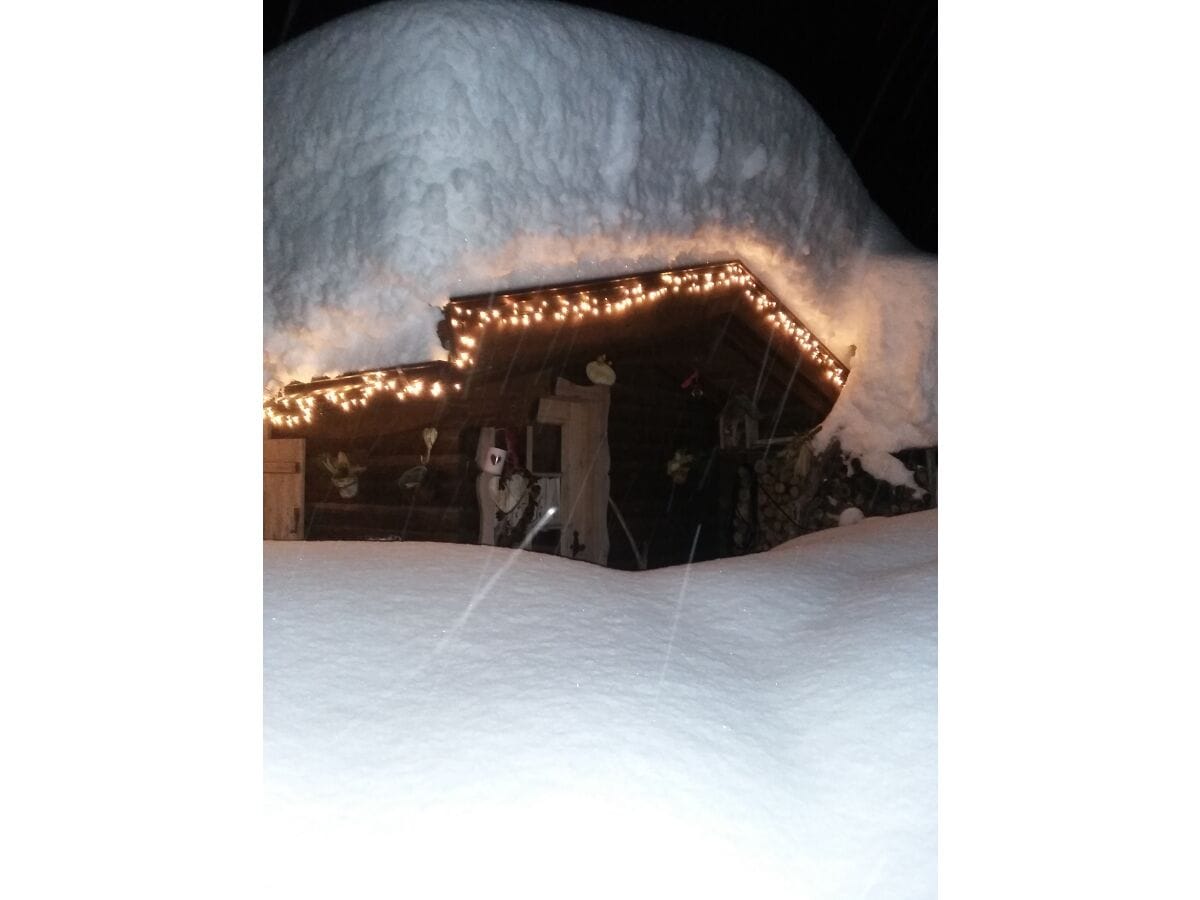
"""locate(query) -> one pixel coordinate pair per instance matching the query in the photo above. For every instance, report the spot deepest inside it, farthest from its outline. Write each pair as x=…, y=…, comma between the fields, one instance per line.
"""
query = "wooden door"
x=582, y=411
x=283, y=489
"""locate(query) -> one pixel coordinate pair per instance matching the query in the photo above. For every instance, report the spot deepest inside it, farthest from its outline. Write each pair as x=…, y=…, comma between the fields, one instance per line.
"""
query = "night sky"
x=869, y=69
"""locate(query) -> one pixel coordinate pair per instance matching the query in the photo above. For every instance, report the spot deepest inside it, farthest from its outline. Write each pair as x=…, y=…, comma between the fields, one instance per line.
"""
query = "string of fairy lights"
x=471, y=321
x=296, y=405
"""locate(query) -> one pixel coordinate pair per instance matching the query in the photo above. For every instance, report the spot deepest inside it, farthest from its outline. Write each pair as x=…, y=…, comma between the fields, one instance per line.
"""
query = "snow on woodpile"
x=443, y=720
x=420, y=150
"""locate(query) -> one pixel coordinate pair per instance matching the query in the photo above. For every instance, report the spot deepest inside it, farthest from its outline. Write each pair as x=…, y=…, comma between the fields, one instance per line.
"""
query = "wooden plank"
x=382, y=510
x=382, y=414
x=331, y=531
x=283, y=491
x=374, y=520
x=592, y=285
x=283, y=450
x=428, y=369
x=376, y=461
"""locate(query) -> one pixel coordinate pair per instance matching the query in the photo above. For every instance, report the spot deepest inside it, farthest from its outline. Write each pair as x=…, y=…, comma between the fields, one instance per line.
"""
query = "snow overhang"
x=469, y=323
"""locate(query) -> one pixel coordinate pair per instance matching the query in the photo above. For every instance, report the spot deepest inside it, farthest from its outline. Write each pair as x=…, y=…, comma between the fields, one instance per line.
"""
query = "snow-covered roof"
x=421, y=150
x=473, y=322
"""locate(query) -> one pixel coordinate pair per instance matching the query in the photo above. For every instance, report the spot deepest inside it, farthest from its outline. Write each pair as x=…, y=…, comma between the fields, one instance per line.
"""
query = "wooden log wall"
x=651, y=417
x=385, y=436
x=441, y=508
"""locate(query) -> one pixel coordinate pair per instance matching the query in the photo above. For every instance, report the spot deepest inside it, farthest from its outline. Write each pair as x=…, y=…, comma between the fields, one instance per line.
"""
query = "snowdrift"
x=417, y=151
x=442, y=719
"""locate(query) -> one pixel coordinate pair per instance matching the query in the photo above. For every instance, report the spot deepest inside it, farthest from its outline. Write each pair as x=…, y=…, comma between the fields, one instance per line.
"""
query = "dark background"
x=869, y=69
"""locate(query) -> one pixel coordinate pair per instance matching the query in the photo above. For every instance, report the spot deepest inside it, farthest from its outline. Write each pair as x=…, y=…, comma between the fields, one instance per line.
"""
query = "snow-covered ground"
x=445, y=720
x=421, y=150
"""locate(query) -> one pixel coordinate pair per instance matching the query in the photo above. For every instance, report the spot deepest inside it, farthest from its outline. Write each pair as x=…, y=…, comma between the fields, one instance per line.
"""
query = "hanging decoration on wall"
x=680, y=465
x=600, y=371
x=517, y=496
x=508, y=491
x=414, y=476
x=493, y=460
x=410, y=478
x=576, y=546
x=343, y=474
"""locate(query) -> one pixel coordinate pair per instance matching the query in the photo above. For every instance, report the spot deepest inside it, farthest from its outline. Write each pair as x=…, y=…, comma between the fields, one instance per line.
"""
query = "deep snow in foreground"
x=441, y=719
x=418, y=151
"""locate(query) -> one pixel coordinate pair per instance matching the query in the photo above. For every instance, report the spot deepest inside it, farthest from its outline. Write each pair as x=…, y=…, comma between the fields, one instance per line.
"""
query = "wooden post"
x=582, y=412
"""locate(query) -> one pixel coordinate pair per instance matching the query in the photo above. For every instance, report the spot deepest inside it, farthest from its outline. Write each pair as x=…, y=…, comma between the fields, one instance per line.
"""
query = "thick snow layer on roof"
x=442, y=719
x=418, y=151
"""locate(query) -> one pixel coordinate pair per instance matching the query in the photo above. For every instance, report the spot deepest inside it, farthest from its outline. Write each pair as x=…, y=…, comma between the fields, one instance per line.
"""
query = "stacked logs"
x=800, y=491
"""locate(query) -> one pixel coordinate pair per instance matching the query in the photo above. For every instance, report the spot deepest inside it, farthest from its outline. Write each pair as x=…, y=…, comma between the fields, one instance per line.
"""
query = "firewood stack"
x=800, y=491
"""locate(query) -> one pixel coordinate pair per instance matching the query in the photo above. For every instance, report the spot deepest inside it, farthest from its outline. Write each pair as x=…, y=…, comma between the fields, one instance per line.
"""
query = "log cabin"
x=613, y=421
